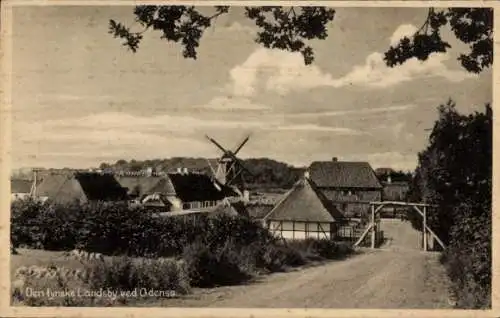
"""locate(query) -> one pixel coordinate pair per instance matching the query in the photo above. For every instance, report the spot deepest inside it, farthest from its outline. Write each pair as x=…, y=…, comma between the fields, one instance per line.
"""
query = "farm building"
x=258, y=210
x=395, y=190
x=225, y=207
x=20, y=188
x=345, y=182
x=175, y=191
x=79, y=186
x=304, y=212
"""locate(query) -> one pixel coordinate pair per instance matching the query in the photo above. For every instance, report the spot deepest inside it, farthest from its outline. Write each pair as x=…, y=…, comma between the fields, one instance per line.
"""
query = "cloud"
x=403, y=30
x=317, y=128
x=375, y=74
x=393, y=159
x=73, y=97
x=355, y=112
x=124, y=122
x=282, y=71
x=229, y=103
x=238, y=27
x=279, y=70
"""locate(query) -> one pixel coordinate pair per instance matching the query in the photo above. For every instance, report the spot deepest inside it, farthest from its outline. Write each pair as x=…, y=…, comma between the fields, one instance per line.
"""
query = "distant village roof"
x=143, y=185
x=343, y=174
x=258, y=210
x=98, y=186
x=195, y=187
x=305, y=203
x=20, y=186
x=383, y=171
x=188, y=187
x=66, y=187
x=232, y=209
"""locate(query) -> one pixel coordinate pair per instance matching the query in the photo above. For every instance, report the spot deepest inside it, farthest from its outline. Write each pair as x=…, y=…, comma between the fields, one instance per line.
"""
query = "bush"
x=59, y=284
x=455, y=173
x=223, y=266
x=321, y=248
x=468, y=257
x=127, y=274
x=121, y=280
x=218, y=250
x=93, y=227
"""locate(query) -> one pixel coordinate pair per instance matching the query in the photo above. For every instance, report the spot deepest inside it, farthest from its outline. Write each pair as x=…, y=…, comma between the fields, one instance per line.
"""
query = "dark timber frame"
x=421, y=208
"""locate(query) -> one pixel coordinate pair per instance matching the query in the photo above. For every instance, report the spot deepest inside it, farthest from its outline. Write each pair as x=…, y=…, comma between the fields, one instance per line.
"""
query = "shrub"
x=26, y=228
x=321, y=248
x=273, y=258
x=277, y=257
x=222, y=266
x=468, y=257
x=65, y=290
x=128, y=274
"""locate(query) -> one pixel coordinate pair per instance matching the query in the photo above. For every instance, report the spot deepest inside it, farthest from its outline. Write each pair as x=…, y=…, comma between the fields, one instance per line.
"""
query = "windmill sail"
x=229, y=169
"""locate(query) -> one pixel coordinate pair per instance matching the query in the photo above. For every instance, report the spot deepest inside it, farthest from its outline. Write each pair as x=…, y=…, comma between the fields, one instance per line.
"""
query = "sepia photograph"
x=244, y=156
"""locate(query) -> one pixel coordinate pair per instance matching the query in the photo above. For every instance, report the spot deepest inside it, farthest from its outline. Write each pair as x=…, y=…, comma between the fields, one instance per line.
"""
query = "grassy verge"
x=129, y=250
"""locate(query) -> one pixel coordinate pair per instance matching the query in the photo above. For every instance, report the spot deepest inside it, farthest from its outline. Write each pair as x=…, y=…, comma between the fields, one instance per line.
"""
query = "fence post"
x=424, y=231
x=374, y=227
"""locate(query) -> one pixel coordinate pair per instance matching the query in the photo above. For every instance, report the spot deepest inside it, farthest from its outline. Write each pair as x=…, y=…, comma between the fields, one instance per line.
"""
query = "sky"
x=80, y=98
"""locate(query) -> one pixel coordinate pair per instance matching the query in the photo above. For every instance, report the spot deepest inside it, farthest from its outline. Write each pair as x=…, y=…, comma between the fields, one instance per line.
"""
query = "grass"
x=48, y=278
x=232, y=265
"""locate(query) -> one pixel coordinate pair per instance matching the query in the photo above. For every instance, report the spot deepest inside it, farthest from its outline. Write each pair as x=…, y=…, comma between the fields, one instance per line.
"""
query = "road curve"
x=397, y=276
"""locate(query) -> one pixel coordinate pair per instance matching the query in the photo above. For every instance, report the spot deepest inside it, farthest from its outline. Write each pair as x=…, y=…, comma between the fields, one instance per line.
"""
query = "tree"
x=472, y=26
x=455, y=173
x=104, y=166
x=289, y=28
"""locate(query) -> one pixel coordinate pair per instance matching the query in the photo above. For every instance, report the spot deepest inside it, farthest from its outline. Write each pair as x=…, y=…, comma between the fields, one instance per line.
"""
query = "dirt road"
x=397, y=276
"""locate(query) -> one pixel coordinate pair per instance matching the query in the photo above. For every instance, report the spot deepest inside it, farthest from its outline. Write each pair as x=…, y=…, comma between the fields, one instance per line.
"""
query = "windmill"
x=229, y=167
x=33, y=190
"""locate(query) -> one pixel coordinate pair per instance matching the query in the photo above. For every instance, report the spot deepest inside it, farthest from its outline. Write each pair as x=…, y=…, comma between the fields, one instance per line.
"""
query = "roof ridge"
x=339, y=161
x=285, y=196
x=324, y=200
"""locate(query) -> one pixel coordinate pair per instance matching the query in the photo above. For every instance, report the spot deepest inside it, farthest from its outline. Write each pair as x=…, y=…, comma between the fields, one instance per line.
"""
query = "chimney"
x=246, y=196
x=334, y=159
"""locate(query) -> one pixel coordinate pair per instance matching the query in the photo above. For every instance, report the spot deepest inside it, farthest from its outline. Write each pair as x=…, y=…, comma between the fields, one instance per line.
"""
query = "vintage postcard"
x=247, y=158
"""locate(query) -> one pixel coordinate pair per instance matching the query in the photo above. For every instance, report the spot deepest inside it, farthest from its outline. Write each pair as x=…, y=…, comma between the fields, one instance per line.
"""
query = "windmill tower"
x=35, y=181
x=229, y=167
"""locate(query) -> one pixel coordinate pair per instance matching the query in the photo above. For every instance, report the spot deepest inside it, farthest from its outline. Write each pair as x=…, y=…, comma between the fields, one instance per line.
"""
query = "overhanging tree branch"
x=290, y=29
x=473, y=26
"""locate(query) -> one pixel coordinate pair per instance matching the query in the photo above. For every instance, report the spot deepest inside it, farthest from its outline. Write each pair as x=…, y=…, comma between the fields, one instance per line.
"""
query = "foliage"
x=288, y=28
x=395, y=175
x=216, y=250
x=472, y=26
x=264, y=172
x=127, y=274
x=214, y=266
x=57, y=284
x=125, y=279
x=41, y=225
x=455, y=173
x=322, y=248
x=279, y=27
